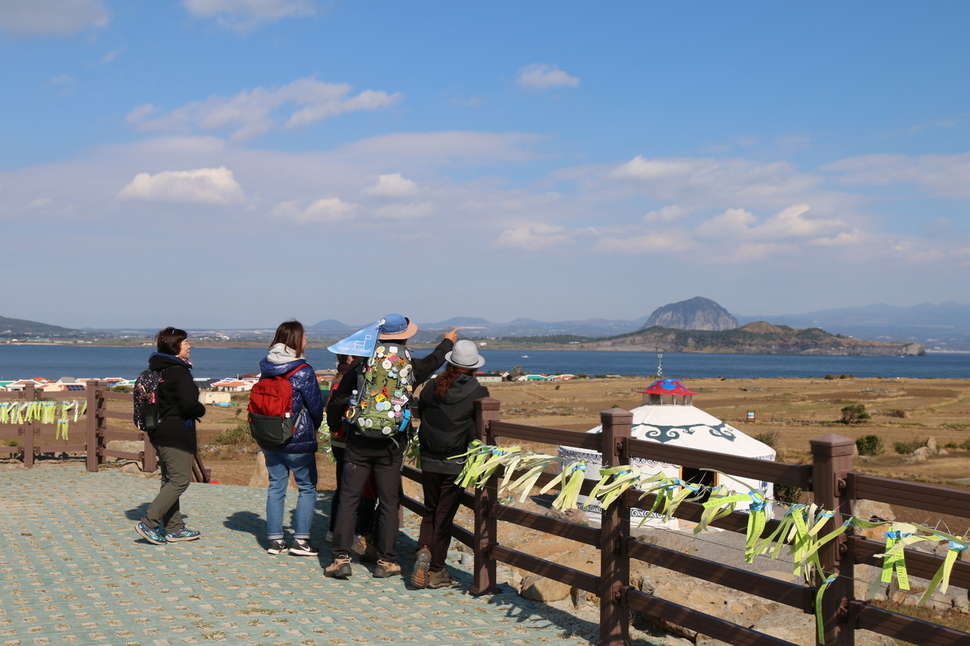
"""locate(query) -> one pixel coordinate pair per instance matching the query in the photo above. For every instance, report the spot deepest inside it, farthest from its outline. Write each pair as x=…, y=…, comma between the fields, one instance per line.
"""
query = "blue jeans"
x=304, y=468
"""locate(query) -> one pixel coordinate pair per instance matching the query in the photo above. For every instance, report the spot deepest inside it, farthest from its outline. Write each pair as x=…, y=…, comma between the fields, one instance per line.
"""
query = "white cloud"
x=201, y=186
x=330, y=209
x=659, y=242
x=733, y=223
x=41, y=203
x=412, y=211
x=737, y=224
x=253, y=113
x=706, y=182
x=667, y=214
x=393, y=185
x=110, y=56
x=244, y=15
x=937, y=175
x=542, y=77
x=535, y=237
x=51, y=17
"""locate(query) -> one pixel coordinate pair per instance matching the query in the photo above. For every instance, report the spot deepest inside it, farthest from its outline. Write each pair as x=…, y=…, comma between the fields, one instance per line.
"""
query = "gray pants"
x=176, y=467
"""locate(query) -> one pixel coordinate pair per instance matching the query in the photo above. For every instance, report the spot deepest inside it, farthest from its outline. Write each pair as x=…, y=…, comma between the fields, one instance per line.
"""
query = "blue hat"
x=395, y=326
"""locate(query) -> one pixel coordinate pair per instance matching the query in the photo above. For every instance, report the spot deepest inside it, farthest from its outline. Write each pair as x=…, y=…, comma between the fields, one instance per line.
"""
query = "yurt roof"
x=691, y=427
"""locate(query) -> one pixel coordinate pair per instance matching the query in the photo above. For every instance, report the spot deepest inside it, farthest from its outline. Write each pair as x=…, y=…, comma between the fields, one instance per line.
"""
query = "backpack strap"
x=295, y=370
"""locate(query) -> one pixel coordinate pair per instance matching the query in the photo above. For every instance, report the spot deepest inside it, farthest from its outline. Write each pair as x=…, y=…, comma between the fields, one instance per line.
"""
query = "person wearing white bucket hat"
x=446, y=408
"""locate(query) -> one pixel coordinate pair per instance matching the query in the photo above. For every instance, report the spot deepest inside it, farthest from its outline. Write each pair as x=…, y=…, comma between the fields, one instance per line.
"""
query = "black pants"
x=441, y=499
x=359, y=463
x=367, y=511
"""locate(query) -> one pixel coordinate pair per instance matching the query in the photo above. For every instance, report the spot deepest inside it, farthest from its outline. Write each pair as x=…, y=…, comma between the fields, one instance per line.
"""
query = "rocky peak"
x=695, y=314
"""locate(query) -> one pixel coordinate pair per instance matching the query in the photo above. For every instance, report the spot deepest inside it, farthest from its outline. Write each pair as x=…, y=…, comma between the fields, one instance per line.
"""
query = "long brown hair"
x=448, y=377
x=290, y=334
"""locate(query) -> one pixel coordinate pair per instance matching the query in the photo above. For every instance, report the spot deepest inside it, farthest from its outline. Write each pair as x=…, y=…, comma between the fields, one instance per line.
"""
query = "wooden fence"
x=830, y=479
x=34, y=439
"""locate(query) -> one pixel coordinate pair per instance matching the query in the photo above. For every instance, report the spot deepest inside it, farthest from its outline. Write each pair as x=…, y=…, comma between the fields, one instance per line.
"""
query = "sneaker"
x=440, y=580
x=184, y=535
x=366, y=548
x=150, y=534
x=302, y=547
x=385, y=569
x=329, y=538
x=422, y=560
x=276, y=547
x=339, y=568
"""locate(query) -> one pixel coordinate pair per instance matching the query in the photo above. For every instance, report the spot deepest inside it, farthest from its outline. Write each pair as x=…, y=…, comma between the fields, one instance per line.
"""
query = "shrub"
x=905, y=448
x=788, y=494
x=869, y=445
x=770, y=438
x=854, y=414
x=237, y=435
x=829, y=377
x=896, y=413
x=120, y=389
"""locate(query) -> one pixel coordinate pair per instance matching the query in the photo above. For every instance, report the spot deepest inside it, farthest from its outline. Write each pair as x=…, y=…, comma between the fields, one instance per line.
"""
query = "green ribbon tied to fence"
x=44, y=412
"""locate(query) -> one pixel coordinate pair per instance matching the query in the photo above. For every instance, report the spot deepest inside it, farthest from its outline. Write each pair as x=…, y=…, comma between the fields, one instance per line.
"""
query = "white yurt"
x=668, y=416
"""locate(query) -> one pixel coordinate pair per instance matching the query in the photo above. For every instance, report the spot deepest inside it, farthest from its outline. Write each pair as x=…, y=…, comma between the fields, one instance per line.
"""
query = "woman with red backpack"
x=298, y=453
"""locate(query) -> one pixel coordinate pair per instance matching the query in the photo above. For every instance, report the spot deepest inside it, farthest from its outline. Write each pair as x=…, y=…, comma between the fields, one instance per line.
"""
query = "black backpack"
x=145, y=399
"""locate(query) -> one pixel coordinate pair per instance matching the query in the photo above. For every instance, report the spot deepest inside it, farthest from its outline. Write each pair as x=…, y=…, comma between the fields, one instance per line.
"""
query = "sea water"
x=55, y=361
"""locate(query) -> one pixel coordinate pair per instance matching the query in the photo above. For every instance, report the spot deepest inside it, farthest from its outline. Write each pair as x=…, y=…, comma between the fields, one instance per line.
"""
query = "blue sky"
x=234, y=163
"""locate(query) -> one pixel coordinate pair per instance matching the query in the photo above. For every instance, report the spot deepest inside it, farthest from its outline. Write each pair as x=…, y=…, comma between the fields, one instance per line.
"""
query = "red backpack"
x=271, y=409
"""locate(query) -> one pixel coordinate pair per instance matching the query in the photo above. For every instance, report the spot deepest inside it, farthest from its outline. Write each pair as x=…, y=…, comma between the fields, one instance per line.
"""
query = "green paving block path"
x=73, y=571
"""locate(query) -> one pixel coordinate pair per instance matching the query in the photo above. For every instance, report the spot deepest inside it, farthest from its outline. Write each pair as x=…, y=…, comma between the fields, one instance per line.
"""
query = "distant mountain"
x=19, y=328
x=697, y=313
x=331, y=328
x=753, y=338
x=945, y=326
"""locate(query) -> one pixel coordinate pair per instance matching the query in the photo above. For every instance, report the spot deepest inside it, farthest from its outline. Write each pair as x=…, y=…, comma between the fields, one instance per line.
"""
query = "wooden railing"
x=102, y=423
x=830, y=478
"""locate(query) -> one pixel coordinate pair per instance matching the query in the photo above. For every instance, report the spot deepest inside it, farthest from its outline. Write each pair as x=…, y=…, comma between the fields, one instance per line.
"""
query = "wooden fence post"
x=94, y=456
x=832, y=461
x=486, y=527
x=614, y=532
x=29, y=428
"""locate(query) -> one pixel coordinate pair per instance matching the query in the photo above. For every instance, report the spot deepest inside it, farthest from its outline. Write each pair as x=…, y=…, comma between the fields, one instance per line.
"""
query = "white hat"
x=465, y=355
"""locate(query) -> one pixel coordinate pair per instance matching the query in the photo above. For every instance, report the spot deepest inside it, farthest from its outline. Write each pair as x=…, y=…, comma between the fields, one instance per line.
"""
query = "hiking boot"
x=440, y=580
x=276, y=547
x=366, y=548
x=339, y=568
x=150, y=534
x=385, y=569
x=302, y=547
x=422, y=560
x=183, y=535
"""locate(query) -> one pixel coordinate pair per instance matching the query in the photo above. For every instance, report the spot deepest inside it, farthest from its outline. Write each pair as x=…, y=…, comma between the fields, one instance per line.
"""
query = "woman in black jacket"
x=174, y=439
x=446, y=408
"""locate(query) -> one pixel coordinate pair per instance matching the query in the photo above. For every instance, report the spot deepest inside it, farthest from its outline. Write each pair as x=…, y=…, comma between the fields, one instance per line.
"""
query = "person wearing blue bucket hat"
x=381, y=456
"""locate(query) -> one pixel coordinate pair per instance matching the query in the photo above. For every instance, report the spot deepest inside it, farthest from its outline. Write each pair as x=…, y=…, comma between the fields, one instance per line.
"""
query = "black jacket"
x=178, y=403
x=447, y=423
x=422, y=369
